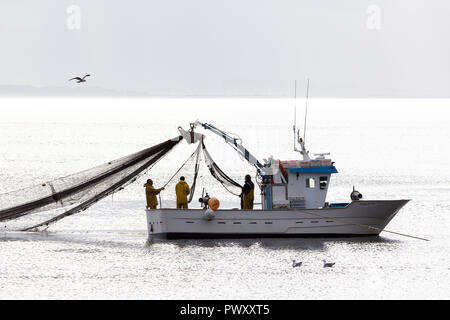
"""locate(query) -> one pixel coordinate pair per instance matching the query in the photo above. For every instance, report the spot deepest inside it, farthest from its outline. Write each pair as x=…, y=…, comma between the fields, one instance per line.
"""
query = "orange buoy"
x=214, y=203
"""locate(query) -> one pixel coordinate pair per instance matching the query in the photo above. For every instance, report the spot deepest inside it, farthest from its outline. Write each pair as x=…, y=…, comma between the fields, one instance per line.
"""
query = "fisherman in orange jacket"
x=150, y=193
x=182, y=190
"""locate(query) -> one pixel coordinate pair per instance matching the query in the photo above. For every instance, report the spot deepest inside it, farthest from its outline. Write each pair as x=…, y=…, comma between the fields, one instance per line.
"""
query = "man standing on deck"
x=182, y=190
x=150, y=194
x=248, y=194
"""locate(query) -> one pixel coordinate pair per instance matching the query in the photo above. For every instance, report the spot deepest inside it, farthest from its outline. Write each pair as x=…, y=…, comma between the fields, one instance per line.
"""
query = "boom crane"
x=235, y=143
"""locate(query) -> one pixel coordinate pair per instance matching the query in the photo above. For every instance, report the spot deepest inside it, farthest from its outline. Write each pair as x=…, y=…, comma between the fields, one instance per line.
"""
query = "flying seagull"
x=296, y=264
x=328, y=264
x=80, y=79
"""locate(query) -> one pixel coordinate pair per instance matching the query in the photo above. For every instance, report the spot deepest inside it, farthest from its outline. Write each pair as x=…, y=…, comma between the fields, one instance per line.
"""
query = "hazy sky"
x=348, y=48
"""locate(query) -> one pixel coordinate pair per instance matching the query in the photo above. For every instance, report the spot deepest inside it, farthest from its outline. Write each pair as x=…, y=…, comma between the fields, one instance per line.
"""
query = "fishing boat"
x=293, y=196
x=293, y=201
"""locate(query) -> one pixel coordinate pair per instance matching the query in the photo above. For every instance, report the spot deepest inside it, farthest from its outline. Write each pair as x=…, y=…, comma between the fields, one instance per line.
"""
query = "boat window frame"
x=323, y=184
x=308, y=183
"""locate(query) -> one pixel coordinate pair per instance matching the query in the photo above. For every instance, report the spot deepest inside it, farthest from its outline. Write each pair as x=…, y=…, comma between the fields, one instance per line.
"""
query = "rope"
x=179, y=169
x=368, y=226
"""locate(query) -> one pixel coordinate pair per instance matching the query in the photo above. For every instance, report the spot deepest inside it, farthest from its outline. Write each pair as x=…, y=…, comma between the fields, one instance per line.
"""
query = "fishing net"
x=196, y=169
x=81, y=190
x=37, y=207
x=229, y=184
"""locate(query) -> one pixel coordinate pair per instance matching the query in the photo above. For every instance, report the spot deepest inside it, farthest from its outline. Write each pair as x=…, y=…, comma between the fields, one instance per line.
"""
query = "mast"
x=295, y=113
x=297, y=138
x=306, y=110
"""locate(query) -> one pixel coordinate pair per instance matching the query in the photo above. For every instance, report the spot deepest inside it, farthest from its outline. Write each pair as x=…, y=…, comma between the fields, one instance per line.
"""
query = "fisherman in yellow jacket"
x=182, y=190
x=150, y=193
x=248, y=194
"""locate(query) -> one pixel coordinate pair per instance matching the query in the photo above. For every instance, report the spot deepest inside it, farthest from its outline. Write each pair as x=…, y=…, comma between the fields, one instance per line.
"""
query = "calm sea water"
x=388, y=149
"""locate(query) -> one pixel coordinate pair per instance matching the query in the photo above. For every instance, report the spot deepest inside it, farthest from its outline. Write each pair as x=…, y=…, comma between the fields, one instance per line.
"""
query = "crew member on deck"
x=248, y=193
x=150, y=193
x=182, y=190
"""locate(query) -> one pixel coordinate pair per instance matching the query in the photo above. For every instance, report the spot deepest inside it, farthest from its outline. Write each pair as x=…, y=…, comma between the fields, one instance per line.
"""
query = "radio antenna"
x=306, y=110
x=294, y=128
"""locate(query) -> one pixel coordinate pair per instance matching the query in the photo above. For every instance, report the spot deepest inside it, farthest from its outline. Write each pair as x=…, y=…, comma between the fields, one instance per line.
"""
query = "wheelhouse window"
x=323, y=182
x=310, y=183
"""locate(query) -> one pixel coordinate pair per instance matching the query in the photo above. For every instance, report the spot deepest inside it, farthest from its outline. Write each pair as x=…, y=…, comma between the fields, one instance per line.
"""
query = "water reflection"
x=310, y=243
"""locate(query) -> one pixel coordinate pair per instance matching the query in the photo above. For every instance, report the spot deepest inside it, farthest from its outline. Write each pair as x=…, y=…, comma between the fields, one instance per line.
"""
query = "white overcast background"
x=232, y=48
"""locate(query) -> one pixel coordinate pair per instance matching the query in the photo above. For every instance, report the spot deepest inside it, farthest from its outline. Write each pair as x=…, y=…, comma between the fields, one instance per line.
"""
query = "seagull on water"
x=328, y=264
x=296, y=264
x=80, y=79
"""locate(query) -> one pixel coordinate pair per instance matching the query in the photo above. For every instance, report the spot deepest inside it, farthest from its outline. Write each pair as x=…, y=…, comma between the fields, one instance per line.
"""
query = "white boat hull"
x=356, y=218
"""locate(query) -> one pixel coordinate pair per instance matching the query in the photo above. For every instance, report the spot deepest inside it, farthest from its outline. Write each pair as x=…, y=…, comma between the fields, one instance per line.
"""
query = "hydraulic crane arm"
x=235, y=143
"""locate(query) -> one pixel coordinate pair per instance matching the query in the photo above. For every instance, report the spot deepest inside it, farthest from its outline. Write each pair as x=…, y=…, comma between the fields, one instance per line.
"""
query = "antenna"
x=297, y=138
x=295, y=111
x=306, y=110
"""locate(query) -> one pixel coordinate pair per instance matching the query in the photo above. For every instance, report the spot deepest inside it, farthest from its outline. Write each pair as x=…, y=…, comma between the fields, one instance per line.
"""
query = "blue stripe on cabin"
x=327, y=169
x=268, y=200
